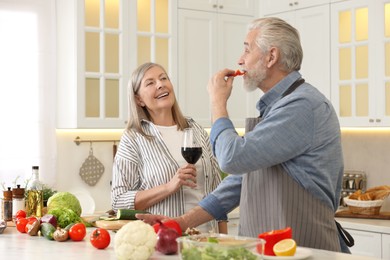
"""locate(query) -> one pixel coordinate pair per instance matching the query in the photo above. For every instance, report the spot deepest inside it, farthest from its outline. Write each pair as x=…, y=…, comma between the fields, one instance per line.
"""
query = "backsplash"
x=367, y=151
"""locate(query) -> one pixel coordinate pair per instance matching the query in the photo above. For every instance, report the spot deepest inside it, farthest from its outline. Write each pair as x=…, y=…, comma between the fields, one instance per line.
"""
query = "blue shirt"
x=300, y=131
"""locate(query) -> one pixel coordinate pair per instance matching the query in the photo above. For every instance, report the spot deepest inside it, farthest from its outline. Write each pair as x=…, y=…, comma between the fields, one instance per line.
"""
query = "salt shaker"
x=18, y=201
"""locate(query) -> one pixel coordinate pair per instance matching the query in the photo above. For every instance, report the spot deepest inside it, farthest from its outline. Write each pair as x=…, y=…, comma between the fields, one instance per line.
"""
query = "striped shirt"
x=141, y=164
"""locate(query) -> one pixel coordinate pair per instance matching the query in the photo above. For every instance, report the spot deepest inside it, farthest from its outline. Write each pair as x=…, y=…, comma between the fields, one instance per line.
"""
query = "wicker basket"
x=364, y=207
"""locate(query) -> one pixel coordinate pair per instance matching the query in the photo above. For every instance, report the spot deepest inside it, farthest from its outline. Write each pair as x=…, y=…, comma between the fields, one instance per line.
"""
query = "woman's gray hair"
x=275, y=32
x=138, y=113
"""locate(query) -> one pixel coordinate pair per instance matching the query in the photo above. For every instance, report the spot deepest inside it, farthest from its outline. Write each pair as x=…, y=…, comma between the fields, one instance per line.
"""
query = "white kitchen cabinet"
x=209, y=42
x=99, y=44
x=385, y=246
x=242, y=7
x=366, y=243
x=269, y=7
x=314, y=29
x=360, y=55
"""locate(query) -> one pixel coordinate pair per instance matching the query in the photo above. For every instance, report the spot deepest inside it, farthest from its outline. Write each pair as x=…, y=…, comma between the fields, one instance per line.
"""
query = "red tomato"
x=20, y=214
x=77, y=232
x=272, y=237
x=169, y=223
x=21, y=225
x=100, y=238
x=32, y=218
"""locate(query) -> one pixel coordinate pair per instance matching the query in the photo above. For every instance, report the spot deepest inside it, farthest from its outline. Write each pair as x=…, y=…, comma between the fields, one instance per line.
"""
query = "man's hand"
x=219, y=88
x=150, y=218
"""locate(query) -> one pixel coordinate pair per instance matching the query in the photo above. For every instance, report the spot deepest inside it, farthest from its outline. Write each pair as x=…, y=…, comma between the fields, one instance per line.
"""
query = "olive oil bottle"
x=34, y=202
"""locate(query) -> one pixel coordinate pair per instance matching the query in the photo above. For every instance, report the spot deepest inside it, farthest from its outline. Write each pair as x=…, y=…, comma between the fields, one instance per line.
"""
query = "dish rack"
x=352, y=181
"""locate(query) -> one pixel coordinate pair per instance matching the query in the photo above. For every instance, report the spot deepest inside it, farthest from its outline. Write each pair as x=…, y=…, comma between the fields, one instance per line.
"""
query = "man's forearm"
x=194, y=218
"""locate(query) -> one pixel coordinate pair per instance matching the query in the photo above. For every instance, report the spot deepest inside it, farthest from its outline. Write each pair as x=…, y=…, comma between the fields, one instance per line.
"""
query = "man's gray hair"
x=275, y=32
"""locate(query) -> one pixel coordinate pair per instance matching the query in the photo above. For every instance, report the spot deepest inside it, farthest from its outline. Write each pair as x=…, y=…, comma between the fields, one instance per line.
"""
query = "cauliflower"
x=135, y=240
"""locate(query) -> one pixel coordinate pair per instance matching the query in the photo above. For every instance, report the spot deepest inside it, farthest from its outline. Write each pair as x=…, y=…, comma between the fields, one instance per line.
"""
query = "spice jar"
x=18, y=201
x=7, y=204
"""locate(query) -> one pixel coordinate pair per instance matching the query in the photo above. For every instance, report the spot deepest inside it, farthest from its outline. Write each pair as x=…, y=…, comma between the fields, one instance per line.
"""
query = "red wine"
x=191, y=154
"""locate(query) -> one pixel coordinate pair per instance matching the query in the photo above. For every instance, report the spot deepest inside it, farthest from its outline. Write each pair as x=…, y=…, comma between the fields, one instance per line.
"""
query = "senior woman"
x=149, y=172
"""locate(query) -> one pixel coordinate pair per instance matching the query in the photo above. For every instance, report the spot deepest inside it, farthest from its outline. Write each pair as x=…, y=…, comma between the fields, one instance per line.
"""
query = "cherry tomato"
x=100, y=238
x=20, y=214
x=169, y=223
x=272, y=237
x=21, y=225
x=77, y=232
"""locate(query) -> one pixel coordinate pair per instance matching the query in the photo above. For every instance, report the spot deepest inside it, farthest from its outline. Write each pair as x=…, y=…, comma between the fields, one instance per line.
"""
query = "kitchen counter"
x=371, y=225
x=15, y=245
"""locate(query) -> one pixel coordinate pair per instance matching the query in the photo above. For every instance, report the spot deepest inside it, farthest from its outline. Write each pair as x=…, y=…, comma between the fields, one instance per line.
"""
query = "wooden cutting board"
x=111, y=224
x=348, y=214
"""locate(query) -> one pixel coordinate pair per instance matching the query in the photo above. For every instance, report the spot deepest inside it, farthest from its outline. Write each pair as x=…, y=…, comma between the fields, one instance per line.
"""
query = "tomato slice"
x=272, y=237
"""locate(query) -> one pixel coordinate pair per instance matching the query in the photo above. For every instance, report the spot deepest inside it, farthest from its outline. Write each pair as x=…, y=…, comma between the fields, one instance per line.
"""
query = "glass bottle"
x=18, y=201
x=34, y=203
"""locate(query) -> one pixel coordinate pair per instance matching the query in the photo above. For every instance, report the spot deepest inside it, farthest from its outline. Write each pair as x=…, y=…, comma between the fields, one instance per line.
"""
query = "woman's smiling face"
x=156, y=91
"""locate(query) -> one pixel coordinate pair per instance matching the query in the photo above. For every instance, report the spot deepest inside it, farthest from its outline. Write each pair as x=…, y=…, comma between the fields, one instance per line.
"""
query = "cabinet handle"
x=215, y=6
x=290, y=4
x=295, y=3
x=221, y=7
x=371, y=120
x=378, y=120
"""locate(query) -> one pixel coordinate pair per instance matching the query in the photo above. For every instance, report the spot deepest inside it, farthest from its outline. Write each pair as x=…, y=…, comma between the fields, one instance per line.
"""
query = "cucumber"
x=129, y=214
x=47, y=230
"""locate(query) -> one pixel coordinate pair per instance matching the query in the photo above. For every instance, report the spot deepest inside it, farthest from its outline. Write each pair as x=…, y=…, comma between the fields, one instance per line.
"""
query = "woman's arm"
x=185, y=175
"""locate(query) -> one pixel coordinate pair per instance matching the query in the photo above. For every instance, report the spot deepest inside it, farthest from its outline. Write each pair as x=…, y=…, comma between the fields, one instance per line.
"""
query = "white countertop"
x=15, y=245
x=371, y=225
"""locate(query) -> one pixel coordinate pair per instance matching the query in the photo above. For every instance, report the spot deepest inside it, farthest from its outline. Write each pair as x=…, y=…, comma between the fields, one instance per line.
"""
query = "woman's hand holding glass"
x=185, y=176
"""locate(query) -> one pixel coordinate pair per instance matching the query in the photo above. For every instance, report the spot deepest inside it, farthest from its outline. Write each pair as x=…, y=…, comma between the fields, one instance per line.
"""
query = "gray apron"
x=271, y=199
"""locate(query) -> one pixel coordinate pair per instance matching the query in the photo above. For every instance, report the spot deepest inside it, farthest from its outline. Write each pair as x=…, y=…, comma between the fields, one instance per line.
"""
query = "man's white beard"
x=252, y=82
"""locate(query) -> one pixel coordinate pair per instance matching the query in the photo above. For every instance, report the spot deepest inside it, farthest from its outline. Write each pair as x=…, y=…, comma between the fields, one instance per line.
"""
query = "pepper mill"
x=7, y=204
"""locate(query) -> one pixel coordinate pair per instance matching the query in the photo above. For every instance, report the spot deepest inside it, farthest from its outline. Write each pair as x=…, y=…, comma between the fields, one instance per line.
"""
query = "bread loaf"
x=375, y=193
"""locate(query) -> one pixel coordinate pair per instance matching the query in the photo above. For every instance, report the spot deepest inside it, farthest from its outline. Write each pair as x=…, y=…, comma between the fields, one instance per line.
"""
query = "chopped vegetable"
x=237, y=73
x=237, y=253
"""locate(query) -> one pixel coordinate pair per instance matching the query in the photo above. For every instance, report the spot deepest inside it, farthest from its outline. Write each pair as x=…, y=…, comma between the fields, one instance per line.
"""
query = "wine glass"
x=191, y=149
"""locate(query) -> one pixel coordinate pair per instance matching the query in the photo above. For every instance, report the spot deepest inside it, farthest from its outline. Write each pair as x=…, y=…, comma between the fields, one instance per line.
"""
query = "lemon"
x=285, y=247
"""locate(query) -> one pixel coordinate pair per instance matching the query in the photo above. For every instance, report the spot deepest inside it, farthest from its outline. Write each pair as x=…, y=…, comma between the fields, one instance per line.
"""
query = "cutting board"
x=111, y=224
x=348, y=214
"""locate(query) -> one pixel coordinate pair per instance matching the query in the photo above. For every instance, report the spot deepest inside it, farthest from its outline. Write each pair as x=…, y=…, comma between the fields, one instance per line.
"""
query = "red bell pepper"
x=272, y=237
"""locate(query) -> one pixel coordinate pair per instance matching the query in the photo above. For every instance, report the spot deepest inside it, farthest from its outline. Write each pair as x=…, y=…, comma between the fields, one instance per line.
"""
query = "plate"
x=301, y=253
x=87, y=203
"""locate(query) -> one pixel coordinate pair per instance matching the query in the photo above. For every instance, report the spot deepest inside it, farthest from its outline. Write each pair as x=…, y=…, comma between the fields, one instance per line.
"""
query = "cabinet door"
x=313, y=25
x=385, y=246
x=217, y=45
x=314, y=30
x=360, y=56
x=366, y=243
x=99, y=44
x=268, y=7
x=242, y=7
